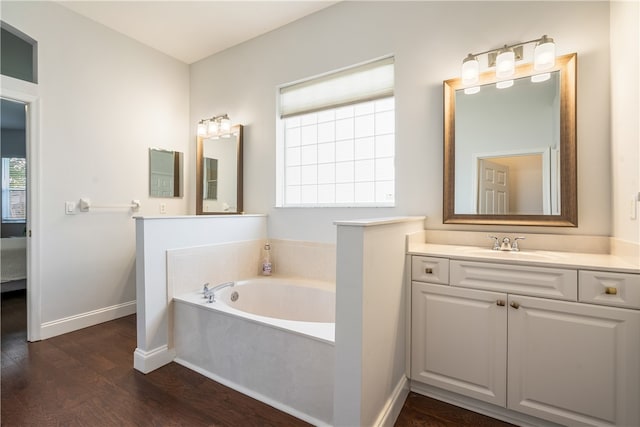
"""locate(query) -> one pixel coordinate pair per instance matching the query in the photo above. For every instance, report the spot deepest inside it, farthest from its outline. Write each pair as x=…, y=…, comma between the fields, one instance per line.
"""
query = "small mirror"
x=219, y=174
x=165, y=173
x=510, y=154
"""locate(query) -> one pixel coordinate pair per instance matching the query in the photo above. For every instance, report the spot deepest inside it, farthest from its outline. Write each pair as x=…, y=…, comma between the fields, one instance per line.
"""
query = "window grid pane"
x=341, y=156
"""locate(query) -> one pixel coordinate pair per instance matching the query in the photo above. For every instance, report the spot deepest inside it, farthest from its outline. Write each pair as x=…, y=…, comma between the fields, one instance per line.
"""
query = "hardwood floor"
x=86, y=378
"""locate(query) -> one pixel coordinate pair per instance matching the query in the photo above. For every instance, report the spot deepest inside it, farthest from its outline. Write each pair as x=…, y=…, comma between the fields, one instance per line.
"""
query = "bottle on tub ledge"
x=266, y=260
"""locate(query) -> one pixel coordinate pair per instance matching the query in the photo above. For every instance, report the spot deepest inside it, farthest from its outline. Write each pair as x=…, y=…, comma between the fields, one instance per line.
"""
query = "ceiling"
x=192, y=30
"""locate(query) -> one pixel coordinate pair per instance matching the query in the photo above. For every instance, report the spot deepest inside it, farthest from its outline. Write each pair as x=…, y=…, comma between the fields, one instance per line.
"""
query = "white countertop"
x=582, y=261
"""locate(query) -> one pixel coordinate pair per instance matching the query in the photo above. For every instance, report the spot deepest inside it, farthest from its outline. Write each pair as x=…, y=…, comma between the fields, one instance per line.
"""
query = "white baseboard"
x=83, y=320
x=147, y=361
x=269, y=401
x=393, y=406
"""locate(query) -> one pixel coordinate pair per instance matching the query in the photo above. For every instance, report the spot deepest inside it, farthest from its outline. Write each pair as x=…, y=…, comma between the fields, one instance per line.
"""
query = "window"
x=18, y=54
x=337, y=139
x=14, y=189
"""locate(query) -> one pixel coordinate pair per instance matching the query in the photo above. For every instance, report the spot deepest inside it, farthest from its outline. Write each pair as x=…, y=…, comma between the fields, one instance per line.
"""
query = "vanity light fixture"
x=470, y=70
x=471, y=90
x=504, y=60
x=503, y=84
x=215, y=127
x=544, y=55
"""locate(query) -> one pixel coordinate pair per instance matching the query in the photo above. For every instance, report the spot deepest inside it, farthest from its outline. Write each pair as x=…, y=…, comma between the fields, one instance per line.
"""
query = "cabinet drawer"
x=544, y=282
x=616, y=289
x=430, y=269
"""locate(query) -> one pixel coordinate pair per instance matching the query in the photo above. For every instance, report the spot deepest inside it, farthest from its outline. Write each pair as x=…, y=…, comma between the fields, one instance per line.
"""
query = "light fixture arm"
x=541, y=39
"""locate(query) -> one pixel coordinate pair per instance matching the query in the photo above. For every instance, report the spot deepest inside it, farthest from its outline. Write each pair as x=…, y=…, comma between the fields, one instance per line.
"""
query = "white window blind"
x=367, y=82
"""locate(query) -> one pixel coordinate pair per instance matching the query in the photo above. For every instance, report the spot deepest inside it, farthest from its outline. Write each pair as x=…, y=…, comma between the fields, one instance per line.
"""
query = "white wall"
x=104, y=100
x=429, y=41
x=370, y=381
x=625, y=110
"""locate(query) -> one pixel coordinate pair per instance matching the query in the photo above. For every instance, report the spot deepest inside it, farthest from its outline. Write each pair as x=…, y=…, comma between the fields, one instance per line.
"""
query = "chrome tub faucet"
x=209, y=293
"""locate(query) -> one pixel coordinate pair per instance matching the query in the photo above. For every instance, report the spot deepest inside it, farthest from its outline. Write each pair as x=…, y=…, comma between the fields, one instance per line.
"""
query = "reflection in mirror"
x=504, y=147
x=219, y=174
x=510, y=153
x=165, y=173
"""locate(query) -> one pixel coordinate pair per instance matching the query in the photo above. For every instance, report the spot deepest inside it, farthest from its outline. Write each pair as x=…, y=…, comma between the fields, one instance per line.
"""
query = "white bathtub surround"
x=311, y=260
x=156, y=235
x=370, y=375
x=189, y=269
x=285, y=363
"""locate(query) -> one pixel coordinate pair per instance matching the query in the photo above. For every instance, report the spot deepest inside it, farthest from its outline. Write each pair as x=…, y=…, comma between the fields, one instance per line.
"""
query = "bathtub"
x=270, y=338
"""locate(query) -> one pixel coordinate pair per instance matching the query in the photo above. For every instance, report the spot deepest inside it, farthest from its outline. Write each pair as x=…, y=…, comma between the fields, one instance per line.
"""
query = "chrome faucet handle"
x=506, y=244
x=211, y=297
x=496, y=243
x=514, y=245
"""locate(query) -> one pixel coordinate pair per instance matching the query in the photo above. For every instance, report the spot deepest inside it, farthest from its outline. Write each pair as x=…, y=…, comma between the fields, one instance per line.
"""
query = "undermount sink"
x=522, y=254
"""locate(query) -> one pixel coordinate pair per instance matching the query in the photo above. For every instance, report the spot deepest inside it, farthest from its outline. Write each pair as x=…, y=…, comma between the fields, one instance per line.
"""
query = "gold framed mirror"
x=510, y=154
x=219, y=174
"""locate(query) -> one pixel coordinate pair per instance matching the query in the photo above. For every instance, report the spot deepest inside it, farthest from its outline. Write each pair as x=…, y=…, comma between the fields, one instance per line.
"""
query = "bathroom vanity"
x=553, y=335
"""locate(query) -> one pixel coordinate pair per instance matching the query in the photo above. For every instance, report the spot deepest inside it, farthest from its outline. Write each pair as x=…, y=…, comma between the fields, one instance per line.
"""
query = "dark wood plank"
x=86, y=378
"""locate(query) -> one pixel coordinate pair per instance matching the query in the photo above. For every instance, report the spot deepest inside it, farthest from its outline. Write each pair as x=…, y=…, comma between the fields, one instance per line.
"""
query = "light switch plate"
x=70, y=208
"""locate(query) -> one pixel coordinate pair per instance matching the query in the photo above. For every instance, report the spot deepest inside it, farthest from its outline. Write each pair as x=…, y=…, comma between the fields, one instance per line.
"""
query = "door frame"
x=547, y=179
x=27, y=93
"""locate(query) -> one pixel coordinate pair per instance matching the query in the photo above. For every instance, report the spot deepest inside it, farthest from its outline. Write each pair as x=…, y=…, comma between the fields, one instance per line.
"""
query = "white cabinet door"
x=572, y=363
x=459, y=340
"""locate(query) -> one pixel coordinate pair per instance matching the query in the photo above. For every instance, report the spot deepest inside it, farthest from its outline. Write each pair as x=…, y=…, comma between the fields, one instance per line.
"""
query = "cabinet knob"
x=610, y=290
x=428, y=270
x=500, y=302
x=515, y=305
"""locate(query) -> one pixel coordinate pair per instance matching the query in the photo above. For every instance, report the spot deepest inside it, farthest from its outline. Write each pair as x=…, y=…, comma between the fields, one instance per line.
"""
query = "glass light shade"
x=471, y=90
x=213, y=128
x=504, y=84
x=202, y=129
x=544, y=55
x=537, y=78
x=505, y=63
x=225, y=124
x=470, y=70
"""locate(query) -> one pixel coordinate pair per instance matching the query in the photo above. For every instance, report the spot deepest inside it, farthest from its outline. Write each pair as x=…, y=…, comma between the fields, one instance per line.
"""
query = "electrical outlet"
x=633, y=208
x=70, y=208
x=163, y=208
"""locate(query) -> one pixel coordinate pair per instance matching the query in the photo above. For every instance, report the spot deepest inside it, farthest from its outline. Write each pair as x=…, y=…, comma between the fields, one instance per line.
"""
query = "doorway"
x=13, y=218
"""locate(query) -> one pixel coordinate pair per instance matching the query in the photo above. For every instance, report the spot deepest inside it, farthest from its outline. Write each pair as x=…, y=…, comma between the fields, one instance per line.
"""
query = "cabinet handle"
x=610, y=290
x=515, y=305
x=428, y=270
x=500, y=302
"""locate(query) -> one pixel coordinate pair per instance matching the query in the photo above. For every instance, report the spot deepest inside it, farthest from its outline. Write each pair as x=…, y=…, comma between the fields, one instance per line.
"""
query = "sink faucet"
x=210, y=293
x=506, y=244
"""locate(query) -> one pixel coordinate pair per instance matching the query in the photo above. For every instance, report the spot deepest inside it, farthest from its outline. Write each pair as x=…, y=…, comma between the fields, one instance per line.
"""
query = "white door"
x=459, y=340
x=574, y=364
x=493, y=188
